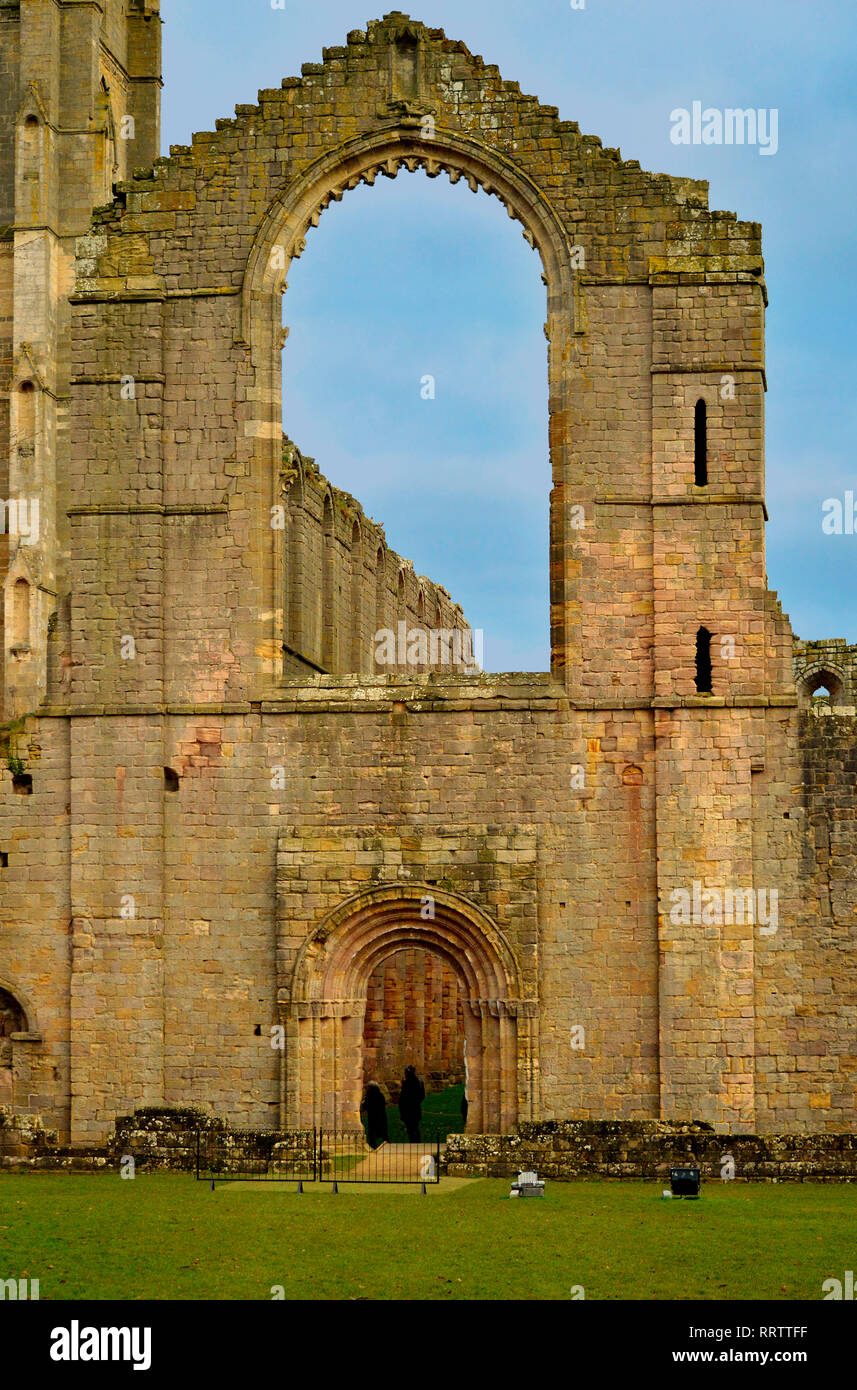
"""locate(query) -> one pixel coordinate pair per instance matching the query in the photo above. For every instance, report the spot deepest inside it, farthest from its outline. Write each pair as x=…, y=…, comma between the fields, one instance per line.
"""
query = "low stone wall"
x=568, y=1149
x=165, y=1140
x=157, y=1139
x=22, y=1136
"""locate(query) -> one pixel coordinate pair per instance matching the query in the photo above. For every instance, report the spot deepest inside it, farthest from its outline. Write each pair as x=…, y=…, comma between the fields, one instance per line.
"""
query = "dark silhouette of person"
x=411, y=1098
x=374, y=1106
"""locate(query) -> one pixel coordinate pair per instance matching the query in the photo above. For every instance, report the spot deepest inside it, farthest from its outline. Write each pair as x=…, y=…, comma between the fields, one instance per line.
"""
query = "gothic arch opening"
x=282, y=237
x=332, y=988
x=415, y=373
x=821, y=684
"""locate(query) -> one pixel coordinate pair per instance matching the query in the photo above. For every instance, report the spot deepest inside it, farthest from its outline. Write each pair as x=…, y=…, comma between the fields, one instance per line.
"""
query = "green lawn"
x=167, y=1236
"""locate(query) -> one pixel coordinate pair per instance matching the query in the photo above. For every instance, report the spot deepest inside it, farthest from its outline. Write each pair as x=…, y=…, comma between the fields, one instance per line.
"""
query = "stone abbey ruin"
x=626, y=888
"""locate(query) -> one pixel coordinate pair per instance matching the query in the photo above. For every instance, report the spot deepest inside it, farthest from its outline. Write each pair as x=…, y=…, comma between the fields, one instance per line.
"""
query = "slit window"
x=703, y=661
x=700, y=444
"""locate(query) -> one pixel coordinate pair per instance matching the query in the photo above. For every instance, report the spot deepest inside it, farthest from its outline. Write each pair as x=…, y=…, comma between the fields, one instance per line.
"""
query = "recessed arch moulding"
x=325, y=959
x=327, y=1008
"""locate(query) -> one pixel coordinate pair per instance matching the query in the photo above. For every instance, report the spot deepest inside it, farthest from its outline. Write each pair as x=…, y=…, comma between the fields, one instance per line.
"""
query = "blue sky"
x=416, y=277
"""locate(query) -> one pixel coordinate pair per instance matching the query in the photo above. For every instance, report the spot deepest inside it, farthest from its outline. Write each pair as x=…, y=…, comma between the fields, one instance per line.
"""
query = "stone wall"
x=216, y=849
x=165, y=1140
x=157, y=1139
x=830, y=663
x=343, y=587
x=570, y=1149
x=9, y=36
x=79, y=110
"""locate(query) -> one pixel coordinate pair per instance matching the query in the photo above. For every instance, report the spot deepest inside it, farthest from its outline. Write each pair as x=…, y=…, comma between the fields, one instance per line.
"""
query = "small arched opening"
x=380, y=607
x=821, y=686
x=25, y=423
x=21, y=615
x=329, y=624
x=358, y=659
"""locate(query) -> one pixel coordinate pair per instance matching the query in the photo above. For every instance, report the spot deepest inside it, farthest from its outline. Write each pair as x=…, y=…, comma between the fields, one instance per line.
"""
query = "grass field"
x=167, y=1236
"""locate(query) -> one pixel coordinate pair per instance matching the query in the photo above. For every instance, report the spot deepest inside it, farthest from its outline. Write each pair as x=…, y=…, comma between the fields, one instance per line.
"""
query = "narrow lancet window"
x=700, y=435
x=703, y=661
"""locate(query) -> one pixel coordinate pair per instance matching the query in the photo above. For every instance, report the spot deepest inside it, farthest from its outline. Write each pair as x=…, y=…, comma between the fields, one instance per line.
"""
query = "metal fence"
x=318, y=1155
x=345, y=1156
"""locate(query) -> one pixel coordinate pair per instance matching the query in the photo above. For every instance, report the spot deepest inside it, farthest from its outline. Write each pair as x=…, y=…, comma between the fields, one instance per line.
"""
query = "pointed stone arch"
x=20, y=589
x=281, y=238
x=22, y=1003
x=823, y=673
x=324, y=1014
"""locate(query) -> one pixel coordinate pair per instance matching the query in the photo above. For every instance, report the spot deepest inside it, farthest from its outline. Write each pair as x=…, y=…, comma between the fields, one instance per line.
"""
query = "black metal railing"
x=317, y=1155
x=345, y=1156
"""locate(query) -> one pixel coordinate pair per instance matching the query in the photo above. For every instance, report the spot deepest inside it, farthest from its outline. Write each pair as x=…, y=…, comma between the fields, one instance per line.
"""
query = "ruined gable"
x=240, y=815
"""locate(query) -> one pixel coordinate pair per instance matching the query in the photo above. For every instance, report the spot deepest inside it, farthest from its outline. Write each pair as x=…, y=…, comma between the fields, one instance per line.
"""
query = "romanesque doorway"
x=335, y=990
x=415, y=1018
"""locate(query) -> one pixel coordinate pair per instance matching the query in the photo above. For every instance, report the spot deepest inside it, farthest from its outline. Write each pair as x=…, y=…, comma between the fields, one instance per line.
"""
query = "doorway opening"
x=414, y=1018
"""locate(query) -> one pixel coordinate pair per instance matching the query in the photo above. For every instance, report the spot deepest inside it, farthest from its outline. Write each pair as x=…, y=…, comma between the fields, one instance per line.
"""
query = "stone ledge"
x=306, y=699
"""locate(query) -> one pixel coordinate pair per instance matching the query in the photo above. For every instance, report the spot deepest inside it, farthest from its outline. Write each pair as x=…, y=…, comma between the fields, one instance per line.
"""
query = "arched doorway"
x=12, y=1020
x=326, y=1014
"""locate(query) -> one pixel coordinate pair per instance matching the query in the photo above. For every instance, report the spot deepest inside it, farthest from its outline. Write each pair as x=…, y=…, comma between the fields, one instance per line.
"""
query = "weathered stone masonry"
x=215, y=842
